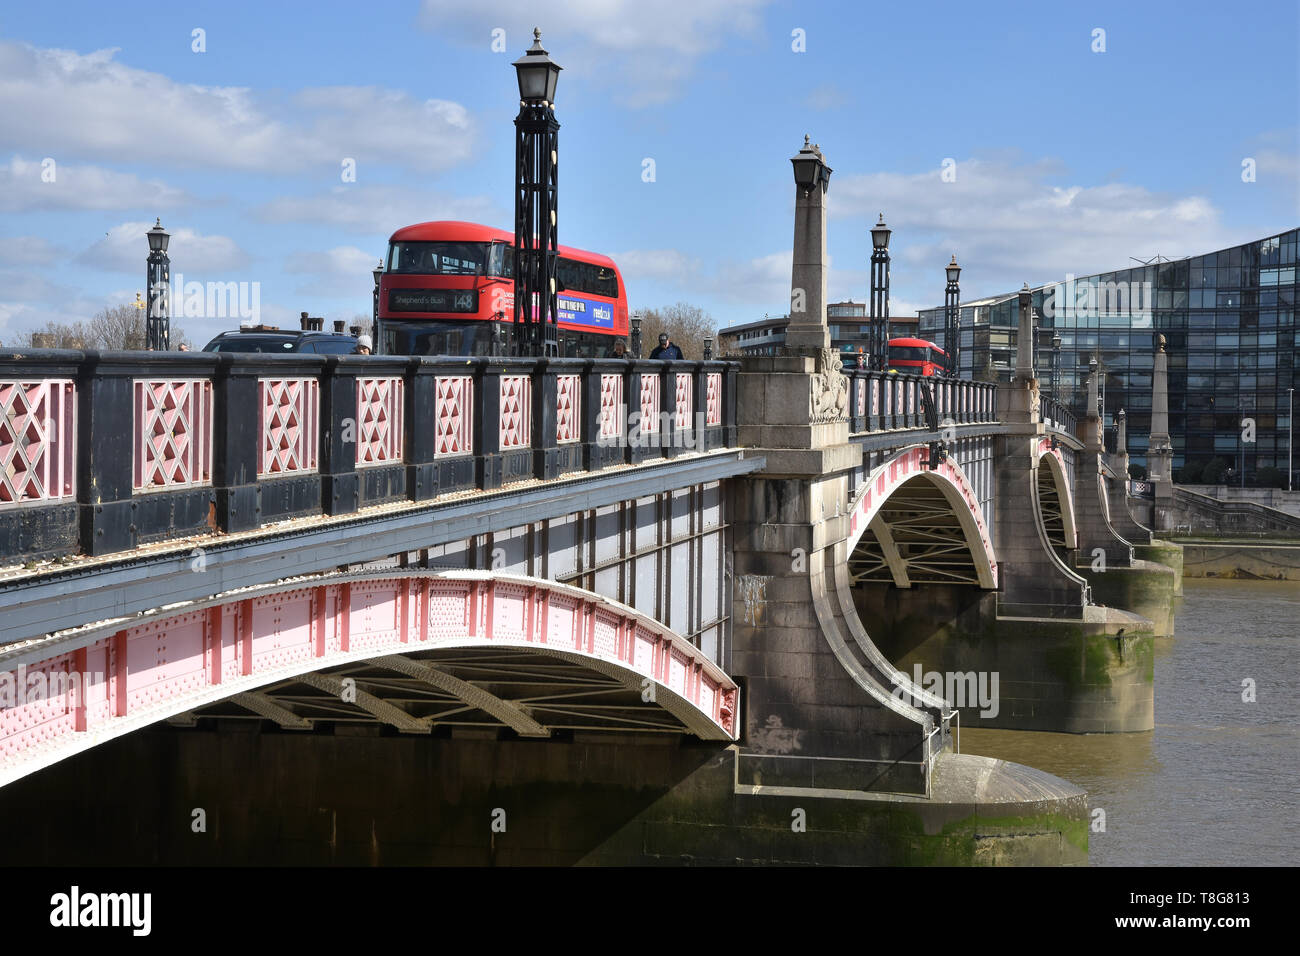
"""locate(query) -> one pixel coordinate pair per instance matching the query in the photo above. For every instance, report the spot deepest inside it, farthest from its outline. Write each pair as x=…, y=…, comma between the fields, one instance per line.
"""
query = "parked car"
x=267, y=339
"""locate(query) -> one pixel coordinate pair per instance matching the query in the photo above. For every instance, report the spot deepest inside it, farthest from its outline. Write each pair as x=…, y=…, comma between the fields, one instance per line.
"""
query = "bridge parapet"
x=1057, y=416
x=884, y=401
x=101, y=452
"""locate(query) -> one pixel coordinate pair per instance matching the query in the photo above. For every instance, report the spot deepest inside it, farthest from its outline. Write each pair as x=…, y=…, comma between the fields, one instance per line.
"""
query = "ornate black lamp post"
x=879, y=292
x=952, y=317
x=378, y=273
x=708, y=347
x=634, y=348
x=157, y=277
x=536, y=236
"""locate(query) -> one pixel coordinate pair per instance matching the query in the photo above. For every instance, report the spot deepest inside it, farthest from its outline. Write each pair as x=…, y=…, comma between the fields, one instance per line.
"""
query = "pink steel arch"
x=113, y=678
x=951, y=479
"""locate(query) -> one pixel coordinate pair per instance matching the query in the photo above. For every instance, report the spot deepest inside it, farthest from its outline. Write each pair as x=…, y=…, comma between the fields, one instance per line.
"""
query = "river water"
x=1216, y=782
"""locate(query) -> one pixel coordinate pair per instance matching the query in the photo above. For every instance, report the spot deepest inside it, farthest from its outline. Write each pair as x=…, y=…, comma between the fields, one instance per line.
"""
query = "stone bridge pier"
x=1070, y=648
x=828, y=722
x=1106, y=555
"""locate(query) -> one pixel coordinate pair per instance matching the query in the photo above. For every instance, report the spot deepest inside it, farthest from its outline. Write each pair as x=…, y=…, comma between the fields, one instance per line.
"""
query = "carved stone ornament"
x=830, y=388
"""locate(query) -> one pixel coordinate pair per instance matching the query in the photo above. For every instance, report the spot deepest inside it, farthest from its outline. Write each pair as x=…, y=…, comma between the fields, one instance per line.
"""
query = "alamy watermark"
x=1091, y=298
x=631, y=433
x=960, y=688
x=207, y=300
x=19, y=688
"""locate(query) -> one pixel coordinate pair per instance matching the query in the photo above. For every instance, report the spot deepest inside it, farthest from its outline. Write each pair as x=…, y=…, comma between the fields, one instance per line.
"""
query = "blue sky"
x=1066, y=159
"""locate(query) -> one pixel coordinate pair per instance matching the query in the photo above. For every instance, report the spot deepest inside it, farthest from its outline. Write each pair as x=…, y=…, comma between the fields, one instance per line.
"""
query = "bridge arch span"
x=925, y=524
x=409, y=648
x=1055, y=504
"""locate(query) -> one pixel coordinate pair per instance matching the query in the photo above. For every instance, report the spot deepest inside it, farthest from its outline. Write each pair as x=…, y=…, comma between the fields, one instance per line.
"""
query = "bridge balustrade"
x=1058, y=415
x=101, y=452
x=881, y=401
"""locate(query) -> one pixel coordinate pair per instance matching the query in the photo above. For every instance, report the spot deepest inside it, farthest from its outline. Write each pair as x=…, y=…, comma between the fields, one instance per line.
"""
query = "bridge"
x=671, y=604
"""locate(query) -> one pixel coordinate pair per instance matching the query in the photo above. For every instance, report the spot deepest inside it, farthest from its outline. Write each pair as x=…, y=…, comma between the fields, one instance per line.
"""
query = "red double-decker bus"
x=448, y=289
x=917, y=357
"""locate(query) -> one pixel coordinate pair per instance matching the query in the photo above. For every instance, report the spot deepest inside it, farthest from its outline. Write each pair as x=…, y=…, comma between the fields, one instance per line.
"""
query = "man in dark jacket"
x=666, y=350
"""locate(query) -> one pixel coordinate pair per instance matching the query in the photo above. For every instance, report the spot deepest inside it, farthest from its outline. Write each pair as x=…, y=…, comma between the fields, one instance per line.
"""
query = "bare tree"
x=55, y=335
x=119, y=327
x=687, y=326
x=113, y=327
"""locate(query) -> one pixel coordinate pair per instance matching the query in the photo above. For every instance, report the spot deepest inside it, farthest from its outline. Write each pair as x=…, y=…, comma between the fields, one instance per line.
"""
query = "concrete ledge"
x=1144, y=588
x=1263, y=562
x=787, y=462
x=1166, y=553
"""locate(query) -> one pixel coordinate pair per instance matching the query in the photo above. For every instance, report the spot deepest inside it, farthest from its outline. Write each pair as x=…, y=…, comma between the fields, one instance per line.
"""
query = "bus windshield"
x=439, y=258
x=909, y=353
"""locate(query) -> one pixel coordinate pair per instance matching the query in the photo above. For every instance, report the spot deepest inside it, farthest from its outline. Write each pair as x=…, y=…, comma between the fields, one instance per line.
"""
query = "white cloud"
x=28, y=251
x=828, y=96
x=644, y=264
x=649, y=47
x=90, y=103
x=341, y=271
x=23, y=188
x=378, y=210
x=762, y=280
x=31, y=301
x=1010, y=223
x=125, y=248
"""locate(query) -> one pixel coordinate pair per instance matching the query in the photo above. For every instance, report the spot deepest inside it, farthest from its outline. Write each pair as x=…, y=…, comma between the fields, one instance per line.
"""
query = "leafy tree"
x=687, y=327
x=1214, y=471
x=1138, y=472
x=1270, y=477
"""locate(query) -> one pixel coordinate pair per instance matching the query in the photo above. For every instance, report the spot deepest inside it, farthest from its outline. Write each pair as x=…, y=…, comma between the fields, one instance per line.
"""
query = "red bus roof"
x=914, y=343
x=451, y=230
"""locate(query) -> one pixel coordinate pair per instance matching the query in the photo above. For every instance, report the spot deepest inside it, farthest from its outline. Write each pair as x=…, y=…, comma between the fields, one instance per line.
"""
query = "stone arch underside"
x=1055, y=500
x=914, y=525
x=413, y=650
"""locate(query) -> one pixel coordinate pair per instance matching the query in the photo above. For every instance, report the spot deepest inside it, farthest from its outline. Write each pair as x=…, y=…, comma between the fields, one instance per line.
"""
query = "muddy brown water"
x=1217, y=781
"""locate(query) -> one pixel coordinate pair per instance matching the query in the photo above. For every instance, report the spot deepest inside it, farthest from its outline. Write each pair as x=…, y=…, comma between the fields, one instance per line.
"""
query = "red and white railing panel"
x=453, y=416
x=516, y=412
x=568, y=409
x=712, y=399
x=288, y=417
x=37, y=441
x=649, y=404
x=379, y=420
x=683, y=400
x=172, y=431
x=611, y=405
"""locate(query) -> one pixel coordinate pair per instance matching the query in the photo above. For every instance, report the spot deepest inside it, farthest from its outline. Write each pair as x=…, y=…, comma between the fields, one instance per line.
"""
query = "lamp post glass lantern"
x=157, y=277
x=536, y=314
x=810, y=169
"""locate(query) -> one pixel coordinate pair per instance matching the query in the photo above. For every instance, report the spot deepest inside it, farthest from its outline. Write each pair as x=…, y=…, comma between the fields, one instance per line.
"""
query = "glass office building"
x=1229, y=318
